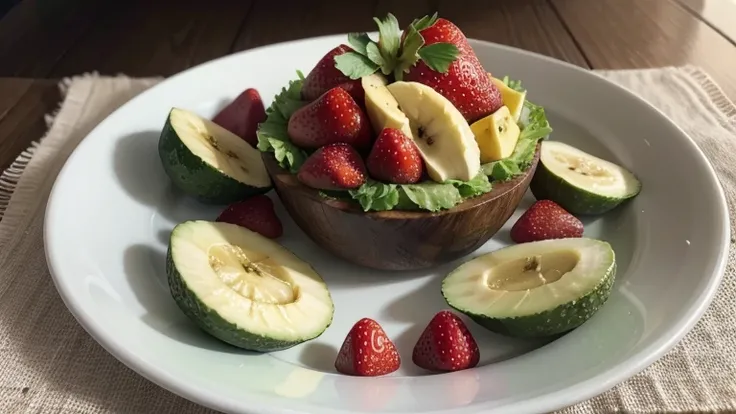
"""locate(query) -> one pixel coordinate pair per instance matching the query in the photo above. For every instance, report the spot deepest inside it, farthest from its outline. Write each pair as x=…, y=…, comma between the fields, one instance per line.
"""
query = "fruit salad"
x=409, y=121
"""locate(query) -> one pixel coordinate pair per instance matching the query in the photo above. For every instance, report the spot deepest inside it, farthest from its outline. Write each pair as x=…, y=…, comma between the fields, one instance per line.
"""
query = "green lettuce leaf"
x=376, y=196
x=272, y=133
x=432, y=196
x=475, y=187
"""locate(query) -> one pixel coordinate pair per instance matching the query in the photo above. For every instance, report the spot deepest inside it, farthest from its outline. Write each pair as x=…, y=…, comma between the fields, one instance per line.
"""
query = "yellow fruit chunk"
x=496, y=135
x=513, y=99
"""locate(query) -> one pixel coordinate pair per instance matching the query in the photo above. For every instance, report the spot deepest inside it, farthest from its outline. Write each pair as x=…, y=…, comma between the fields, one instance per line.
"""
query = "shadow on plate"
x=137, y=164
x=145, y=269
x=318, y=356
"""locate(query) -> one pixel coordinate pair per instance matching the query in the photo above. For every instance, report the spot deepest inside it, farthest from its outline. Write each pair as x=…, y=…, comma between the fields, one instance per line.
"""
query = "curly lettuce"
x=429, y=195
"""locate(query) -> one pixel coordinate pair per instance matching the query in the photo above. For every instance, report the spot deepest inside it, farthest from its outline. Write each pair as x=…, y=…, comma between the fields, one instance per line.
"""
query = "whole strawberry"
x=431, y=51
x=242, y=115
x=367, y=351
x=465, y=82
x=544, y=220
x=325, y=76
x=446, y=345
x=331, y=118
x=333, y=167
x=256, y=214
x=395, y=158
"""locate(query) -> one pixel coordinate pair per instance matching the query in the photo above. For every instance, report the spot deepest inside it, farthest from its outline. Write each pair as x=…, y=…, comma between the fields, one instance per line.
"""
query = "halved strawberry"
x=395, y=158
x=325, y=76
x=255, y=213
x=333, y=167
x=333, y=117
x=367, y=351
x=242, y=115
x=446, y=345
x=544, y=220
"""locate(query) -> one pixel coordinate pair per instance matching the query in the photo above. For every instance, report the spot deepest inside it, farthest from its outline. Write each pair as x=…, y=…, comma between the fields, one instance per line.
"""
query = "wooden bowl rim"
x=289, y=180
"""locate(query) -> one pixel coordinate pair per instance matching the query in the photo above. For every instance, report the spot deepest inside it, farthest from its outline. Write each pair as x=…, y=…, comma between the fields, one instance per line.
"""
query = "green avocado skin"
x=211, y=322
x=195, y=177
x=547, y=186
x=563, y=318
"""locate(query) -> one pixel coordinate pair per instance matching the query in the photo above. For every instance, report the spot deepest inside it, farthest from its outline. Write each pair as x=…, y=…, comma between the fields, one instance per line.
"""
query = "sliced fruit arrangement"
x=534, y=289
x=411, y=121
x=580, y=182
x=209, y=162
x=244, y=288
x=423, y=85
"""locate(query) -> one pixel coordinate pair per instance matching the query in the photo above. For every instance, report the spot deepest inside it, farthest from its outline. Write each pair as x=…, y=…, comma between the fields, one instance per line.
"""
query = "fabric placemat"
x=49, y=364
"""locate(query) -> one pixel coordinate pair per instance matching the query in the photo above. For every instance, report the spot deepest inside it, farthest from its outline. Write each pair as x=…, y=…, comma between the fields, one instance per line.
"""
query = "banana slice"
x=496, y=135
x=513, y=99
x=383, y=110
x=442, y=134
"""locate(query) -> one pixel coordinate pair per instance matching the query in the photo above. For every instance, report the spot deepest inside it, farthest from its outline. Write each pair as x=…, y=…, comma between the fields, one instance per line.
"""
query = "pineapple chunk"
x=513, y=99
x=496, y=135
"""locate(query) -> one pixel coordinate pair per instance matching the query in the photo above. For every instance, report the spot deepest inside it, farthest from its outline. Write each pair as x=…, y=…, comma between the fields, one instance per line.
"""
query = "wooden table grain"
x=42, y=41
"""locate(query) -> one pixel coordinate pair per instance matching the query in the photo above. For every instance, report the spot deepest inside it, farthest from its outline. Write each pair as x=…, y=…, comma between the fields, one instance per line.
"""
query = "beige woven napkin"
x=49, y=364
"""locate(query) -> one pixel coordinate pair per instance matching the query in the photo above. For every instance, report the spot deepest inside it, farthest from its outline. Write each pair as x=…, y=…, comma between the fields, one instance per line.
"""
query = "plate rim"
x=583, y=390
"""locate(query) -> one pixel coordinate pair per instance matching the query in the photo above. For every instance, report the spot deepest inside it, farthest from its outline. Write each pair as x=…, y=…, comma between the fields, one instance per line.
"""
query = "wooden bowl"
x=398, y=240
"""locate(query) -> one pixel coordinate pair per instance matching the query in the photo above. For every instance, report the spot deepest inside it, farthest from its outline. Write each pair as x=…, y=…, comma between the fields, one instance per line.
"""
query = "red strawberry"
x=333, y=117
x=446, y=345
x=395, y=158
x=256, y=214
x=465, y=83
x=242, y=115
x=325, y=76
x=367, y=351
x=544, y=220
x=333, y=167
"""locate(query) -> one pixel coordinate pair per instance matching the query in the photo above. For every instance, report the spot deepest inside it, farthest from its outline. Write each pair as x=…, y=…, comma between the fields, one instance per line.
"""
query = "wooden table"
x=42, y=41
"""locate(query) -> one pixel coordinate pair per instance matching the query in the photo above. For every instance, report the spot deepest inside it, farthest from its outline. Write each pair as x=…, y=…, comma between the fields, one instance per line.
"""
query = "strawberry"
x=446, y=345
x=367, y=351
x=431, y=51
x=242, y=115
x=395, y=158
x=333, y=117
x=465, y=83
x=333, y=167
x=544, y=220
x=325, y=76
x=255, y=213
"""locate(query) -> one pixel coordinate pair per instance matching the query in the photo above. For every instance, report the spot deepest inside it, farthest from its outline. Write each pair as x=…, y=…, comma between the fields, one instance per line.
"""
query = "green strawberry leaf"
x=359, y=41
x=439, y=56
x=424, y=22
x=354, y=65
x=272, y=133
x=376, y=196
x=389, y=35
x=432, y=196
x=409, y=52
x=374, y=54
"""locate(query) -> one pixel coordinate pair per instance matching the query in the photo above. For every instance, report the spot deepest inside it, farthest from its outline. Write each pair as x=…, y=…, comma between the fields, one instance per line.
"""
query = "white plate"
x=112, y=208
